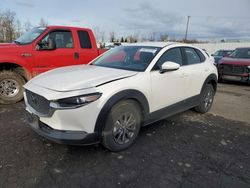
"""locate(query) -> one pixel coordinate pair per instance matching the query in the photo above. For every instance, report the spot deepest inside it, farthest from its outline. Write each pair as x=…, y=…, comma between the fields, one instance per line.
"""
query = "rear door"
x=196, y=70
x=87, y=48
x=63, y=55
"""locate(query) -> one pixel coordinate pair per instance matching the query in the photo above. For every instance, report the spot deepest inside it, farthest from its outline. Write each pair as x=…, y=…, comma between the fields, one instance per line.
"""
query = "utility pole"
x=187, y=28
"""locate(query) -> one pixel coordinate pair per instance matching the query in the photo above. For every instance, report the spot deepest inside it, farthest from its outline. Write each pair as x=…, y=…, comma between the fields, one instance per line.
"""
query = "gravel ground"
x=187, y=150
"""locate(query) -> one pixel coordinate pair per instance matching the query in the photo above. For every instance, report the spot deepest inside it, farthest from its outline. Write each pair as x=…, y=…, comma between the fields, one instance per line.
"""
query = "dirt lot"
x=187, y=150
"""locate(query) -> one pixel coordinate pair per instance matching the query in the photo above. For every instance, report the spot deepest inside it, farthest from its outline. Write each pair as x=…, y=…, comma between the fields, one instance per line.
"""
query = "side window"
x=202, y=57
x=192, y=56
x=84, y=39
x=62, y=39
x=173, y=55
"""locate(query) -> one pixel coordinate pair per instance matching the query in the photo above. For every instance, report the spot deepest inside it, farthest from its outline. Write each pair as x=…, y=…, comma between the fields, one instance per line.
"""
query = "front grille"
x=236, y=69
x=38, y=103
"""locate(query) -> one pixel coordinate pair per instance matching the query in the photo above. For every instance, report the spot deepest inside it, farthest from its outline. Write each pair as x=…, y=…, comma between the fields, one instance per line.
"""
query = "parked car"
x=218, y=55
x=236, y=67
x=40, y=50
x=127, y=87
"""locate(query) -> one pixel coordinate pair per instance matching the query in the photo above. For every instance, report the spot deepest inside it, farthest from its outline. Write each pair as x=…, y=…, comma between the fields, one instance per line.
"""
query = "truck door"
x=88, y=49
x=63, y=55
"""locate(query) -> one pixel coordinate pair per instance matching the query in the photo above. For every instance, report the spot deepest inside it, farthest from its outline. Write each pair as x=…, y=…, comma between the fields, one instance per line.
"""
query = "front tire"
x=207, y=98
x=11, y=87
x=122, y=126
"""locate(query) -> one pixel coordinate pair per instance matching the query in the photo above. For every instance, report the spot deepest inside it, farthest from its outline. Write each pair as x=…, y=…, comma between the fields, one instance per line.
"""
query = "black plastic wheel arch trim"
x=122, y=95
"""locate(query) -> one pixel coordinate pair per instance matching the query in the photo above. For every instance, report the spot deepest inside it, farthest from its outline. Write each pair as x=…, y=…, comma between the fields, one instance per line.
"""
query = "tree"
x=112, y=36
x=97, y=34
x=43, y=23
x=18, y=31
x=152, y=36
x=7, y=26
x=122, y=39
x=163, y=37
x=133, y=38
x=27, y=26
x=103, y=34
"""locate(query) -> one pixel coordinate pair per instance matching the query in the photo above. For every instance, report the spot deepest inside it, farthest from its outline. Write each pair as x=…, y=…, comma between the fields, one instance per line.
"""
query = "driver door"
x=62, y=55
x=168, y=88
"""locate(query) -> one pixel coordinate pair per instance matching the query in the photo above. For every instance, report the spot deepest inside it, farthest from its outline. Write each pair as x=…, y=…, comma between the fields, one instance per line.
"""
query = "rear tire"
x=207, y=97
x=122, y=126
x=11, y=87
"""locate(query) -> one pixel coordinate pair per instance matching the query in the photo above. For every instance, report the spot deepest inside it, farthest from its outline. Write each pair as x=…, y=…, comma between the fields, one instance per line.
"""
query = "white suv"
x=127, y=87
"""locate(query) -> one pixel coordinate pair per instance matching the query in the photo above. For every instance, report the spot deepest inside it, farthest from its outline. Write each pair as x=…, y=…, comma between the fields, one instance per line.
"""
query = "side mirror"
x=169, y=66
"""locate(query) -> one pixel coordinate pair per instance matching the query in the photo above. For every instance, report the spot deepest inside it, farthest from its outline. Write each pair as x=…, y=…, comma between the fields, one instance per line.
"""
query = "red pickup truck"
x=40, y=50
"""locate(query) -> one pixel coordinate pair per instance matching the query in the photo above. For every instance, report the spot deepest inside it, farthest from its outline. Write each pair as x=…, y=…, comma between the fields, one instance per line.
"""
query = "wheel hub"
x=9, y=88
x=208, y=99
x=124, y=128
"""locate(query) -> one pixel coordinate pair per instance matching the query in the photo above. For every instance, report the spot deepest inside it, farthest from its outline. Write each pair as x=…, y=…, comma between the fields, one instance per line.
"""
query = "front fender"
x=122, y=95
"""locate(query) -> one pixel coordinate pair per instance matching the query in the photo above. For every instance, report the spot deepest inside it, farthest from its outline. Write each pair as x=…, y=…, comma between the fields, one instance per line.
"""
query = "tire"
x=11, y=87
x=120, y=132
x=207, y=97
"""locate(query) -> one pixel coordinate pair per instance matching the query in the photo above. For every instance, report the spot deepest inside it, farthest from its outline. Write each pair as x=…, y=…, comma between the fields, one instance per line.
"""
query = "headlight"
x=75, y=102
x=248, y=67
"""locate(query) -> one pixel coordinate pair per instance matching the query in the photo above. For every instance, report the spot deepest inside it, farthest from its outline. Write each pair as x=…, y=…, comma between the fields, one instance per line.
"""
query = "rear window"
x=202, y=57
x=84, y=39
x=192, y=56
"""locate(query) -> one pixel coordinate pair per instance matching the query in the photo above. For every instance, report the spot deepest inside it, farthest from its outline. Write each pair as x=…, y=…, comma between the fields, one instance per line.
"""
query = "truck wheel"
x=11, y=87
x=207, y=97
x=122, y=125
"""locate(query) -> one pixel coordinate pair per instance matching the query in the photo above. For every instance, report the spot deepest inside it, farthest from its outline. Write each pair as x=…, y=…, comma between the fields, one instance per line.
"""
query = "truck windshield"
x=135, y=58
x=30, y=36
x=241, y=53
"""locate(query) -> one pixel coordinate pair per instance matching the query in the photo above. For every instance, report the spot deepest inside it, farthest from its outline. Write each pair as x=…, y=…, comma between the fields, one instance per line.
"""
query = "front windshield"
x=30, y=36
x=241, y=53
x=135, y=58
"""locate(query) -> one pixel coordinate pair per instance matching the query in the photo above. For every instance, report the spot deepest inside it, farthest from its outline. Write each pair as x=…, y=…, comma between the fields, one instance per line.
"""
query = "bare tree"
x=1, y=28
x=152, y=36
x=103, y=34
x=18, y=31
x=163, y=37
x=97, y=33
x=27, y=26
x=43, y=23
x=7, y=26
x=112, y=36
x=144, y=38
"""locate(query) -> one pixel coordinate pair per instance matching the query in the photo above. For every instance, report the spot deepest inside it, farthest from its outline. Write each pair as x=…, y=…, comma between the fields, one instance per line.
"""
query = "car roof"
x=154, y=44
x=65, y=27
x=243, y=48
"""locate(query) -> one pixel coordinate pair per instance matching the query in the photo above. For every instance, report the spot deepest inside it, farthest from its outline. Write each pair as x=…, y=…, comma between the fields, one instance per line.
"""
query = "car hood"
x=78, y=77
x=235, y=61
x=8, y=45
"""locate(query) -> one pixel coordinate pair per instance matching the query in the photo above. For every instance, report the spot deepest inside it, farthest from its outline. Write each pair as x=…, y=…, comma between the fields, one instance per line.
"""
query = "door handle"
x=76, y=55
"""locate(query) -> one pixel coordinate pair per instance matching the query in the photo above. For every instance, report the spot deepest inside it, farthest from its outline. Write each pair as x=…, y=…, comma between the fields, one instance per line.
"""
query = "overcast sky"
x=209, y=19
